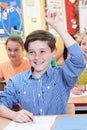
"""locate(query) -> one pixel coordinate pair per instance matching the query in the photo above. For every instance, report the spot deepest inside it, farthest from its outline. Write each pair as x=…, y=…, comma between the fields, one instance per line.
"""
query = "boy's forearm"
x=53, y=19
x=68, y=40
x=5, y=112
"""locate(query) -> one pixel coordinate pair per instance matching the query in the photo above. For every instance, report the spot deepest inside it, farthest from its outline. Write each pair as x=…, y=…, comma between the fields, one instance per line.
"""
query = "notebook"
x=40, y=123
x=71, y=123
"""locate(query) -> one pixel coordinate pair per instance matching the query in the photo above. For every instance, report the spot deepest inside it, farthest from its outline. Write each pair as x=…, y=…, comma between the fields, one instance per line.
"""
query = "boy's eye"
x=30, y=52
x=83, y=43
x=43, y=51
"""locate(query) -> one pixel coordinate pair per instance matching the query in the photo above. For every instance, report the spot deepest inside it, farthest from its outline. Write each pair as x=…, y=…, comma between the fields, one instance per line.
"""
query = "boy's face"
x=40, y=56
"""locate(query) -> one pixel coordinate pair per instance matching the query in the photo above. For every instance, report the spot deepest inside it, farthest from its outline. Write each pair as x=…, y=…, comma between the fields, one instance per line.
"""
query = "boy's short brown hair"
x=41, y=35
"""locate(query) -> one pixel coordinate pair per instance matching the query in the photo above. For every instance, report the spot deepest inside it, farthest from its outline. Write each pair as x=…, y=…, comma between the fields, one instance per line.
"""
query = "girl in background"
x=81, y=84
x=17, y=63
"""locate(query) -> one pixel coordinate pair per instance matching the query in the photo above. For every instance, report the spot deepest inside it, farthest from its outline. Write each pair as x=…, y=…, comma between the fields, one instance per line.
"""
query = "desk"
x=42, y=123
x=4, y=122
x=71, y=122
x=78, y=100
x=80, y=103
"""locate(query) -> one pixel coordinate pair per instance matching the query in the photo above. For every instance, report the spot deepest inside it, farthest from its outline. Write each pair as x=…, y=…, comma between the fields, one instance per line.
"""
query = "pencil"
x=19, y=105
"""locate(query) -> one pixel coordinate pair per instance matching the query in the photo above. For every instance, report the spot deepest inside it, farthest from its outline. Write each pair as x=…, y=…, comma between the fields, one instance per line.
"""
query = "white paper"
x=40, y=123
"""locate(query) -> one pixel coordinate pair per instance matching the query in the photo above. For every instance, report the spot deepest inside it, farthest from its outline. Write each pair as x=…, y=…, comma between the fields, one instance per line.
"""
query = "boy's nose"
x=37, y=56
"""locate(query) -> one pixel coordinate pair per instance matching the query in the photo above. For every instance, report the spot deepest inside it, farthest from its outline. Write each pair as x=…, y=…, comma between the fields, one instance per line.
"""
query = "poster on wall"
x=11, y=21
x=71, y=17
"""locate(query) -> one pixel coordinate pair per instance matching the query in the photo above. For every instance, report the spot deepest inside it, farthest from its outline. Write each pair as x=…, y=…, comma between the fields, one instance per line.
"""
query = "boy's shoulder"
x=21, y=75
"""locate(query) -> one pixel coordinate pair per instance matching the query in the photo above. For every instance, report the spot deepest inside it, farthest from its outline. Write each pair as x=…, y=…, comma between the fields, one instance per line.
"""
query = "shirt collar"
x=30, y=72
x=48, y=72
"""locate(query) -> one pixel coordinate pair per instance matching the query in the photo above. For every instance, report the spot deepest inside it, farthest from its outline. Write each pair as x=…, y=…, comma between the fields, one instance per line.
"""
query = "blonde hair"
x=79, y=37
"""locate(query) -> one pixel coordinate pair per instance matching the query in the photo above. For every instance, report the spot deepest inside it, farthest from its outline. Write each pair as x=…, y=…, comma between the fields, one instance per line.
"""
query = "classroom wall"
x=3, y=54
x=33, y=15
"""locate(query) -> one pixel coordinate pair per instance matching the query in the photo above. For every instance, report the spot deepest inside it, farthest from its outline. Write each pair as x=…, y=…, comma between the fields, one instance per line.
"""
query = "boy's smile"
x=40, y=56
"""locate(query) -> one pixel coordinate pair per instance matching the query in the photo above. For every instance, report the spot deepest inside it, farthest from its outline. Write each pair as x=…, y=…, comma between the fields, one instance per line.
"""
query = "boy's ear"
x=54, y=52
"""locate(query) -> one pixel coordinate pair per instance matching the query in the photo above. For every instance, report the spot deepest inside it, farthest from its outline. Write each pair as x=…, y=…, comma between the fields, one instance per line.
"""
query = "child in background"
x=81, y=85
x=17, y=63
x=43, y=90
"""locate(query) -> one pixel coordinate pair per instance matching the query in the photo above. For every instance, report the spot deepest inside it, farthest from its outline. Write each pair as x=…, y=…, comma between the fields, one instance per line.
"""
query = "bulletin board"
x=11, y=21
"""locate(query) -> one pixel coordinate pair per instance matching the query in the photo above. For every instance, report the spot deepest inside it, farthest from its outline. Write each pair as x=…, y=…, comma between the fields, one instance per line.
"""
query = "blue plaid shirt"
x=49, y=93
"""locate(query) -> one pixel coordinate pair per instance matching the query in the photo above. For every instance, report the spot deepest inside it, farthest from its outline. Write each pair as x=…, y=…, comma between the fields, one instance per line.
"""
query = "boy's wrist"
x=12, y=115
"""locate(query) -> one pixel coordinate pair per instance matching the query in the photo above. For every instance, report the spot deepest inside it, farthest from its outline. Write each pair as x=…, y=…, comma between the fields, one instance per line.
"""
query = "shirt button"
x=39, y=80
x=48, y=87
x=24, y=92
x=41, y=110
x=39, y=95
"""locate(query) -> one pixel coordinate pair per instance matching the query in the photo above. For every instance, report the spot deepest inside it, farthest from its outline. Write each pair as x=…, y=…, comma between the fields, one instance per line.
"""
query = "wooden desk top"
x=82, y=100
x=4, y=122
x=72, y=100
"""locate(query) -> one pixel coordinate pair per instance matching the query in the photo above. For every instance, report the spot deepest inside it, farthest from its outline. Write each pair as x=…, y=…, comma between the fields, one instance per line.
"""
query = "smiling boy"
x=43, y=90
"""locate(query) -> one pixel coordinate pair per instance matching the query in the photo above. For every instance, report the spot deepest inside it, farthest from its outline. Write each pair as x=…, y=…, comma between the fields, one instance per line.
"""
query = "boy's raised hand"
x=52, y=17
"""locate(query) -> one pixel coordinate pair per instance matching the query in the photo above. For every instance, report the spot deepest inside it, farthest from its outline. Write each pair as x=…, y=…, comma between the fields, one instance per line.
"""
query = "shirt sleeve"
x=8, y=96
x=73, y=65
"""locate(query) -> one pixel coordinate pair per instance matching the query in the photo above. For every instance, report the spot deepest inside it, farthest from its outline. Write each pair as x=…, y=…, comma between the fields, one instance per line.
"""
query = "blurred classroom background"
x=23, y=16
